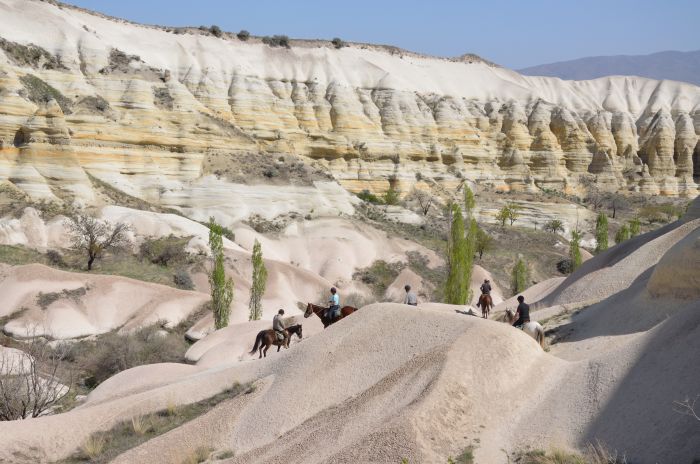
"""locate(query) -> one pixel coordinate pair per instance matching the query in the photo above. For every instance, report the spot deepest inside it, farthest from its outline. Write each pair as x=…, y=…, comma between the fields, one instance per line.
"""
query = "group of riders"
x=333, y=311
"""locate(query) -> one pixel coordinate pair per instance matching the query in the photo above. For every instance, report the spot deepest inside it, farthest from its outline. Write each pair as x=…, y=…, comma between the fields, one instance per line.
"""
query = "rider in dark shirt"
x=523, y=312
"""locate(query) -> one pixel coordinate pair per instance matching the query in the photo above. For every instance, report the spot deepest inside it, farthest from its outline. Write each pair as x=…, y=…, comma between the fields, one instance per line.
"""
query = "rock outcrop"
x=147, y=111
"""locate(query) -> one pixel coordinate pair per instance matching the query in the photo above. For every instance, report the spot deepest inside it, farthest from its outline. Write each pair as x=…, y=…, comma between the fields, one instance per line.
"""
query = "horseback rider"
x=523, y=313
x=278, y=327
x=410, y=298
x=334, y=308
x=485, y=290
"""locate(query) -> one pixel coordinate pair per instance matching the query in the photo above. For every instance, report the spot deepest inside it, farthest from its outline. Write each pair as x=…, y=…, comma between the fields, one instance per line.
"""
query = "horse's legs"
x=266, y=348
x=261, y=348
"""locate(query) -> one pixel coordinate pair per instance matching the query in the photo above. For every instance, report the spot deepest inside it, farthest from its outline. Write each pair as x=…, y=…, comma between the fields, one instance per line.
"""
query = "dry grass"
x=200, y=454
x=103, y=447
x=94, y=446
x=595, y=454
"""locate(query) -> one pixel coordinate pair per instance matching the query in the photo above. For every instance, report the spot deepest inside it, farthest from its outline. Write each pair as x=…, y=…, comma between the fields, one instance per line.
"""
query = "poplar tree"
x=575, y=250
x=601, y=233
x=456, y=288
x=635, y=227
x=257, y=290
x=623, y=233
x=221, y=287
x=520, y=276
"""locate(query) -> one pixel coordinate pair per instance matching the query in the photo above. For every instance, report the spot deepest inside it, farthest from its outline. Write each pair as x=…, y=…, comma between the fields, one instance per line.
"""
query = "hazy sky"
x=515, y=33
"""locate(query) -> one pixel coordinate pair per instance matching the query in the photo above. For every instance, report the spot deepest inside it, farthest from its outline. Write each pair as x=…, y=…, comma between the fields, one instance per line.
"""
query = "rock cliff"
x=175, y=117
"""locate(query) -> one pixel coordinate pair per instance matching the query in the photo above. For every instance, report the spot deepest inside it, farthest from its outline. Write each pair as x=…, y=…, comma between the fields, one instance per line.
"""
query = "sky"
x=512, y=33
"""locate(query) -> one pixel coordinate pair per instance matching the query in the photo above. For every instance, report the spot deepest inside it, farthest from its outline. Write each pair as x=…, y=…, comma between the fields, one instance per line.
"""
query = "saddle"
x=279, y=335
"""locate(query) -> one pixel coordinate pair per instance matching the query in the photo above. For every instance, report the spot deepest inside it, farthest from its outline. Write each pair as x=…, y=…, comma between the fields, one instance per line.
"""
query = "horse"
x=533, y=329
x=486, y=304
x=266, y=338
x=320, y=311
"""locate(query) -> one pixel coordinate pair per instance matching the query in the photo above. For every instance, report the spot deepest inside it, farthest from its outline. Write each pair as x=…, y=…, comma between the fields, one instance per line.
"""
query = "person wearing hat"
x=485, y=290
x=334, y=301
x=410, y=297
x=278, y=327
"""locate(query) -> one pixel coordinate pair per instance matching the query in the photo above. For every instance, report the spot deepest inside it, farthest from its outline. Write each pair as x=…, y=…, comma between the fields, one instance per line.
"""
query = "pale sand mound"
x=616, y=268
x=333, y=247
x=87, y=304
x=678, y=273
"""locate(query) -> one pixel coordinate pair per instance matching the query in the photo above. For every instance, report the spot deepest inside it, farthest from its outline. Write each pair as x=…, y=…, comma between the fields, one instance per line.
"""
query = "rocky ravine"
x=171, y=118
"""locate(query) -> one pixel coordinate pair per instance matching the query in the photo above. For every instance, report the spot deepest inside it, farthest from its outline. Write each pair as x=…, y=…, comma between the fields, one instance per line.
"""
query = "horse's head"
x=510, y=315
x=309, y=310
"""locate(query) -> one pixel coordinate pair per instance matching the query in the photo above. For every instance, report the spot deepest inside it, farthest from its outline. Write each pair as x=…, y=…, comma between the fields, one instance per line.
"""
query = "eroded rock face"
x=143, y=111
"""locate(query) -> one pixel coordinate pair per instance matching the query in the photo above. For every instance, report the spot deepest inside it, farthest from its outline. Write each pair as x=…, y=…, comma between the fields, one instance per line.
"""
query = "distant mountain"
x=677, y=66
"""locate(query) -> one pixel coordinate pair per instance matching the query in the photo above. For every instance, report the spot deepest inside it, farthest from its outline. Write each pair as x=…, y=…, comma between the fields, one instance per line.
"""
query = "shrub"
x=369, y=197
x=243, y=35
x=338, y=43
x=503, y=215
x=41, y=92
x=379, y=275
x=114, y=352
x=469, y=201
x=391, y=197
x=215, y=31
x=276, y=41
x=183, y=280
x=565, y=266
x=165, y=251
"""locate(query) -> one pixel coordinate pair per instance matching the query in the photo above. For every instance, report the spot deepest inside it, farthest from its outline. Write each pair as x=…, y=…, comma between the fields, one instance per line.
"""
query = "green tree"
x=601, y=233
x=221, y=287
x=471, y=241
x=635, y=227
x=575, y=250
x=554, y=226
x=503, y=215
x=456, y=287
x=257, y=290
x=520, y=276
x=484, y=242
x=623, y=233
x=513, y=213
x=469, y=201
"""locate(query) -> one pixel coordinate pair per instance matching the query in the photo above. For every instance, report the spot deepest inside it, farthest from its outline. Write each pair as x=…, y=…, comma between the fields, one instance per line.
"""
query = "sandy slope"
x=393, y=382
x=108, y=302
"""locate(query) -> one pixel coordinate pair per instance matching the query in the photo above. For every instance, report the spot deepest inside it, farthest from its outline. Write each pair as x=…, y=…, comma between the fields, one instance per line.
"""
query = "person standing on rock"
x=523, y=312
x=278, y=327
x=334, y=301
x=410, y=297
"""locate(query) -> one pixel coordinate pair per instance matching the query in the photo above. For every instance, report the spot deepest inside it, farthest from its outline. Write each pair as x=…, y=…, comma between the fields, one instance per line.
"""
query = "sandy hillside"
x=80, y=304
x=433, y=383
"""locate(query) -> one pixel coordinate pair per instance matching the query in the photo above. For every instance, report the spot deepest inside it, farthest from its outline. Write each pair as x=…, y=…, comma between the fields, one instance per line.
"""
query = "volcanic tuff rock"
x=87, y=100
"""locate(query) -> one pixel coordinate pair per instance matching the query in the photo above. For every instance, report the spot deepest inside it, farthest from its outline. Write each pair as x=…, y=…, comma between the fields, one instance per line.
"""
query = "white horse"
x=533, y=329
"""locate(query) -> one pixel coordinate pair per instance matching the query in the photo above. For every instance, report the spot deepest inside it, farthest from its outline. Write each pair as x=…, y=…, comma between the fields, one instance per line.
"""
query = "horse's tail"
x=540, y=336
x=258, y=340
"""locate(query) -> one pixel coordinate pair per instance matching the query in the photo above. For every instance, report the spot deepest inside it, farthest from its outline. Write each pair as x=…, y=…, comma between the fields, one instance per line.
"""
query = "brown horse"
x=486, y=304
x=266, y=338
x=320, y=311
